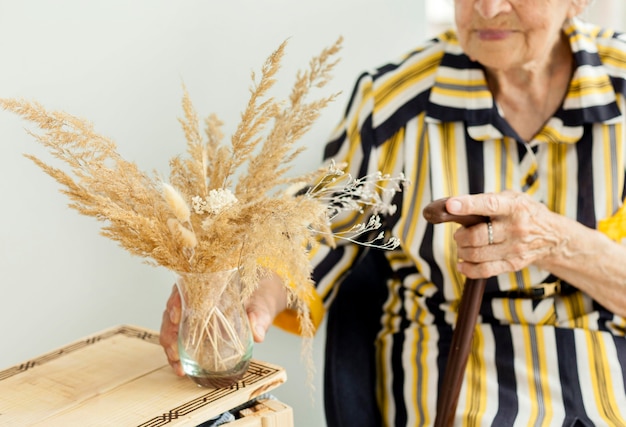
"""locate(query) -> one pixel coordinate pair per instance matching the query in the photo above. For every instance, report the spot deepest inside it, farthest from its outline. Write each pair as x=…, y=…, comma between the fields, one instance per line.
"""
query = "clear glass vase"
x=214, y=338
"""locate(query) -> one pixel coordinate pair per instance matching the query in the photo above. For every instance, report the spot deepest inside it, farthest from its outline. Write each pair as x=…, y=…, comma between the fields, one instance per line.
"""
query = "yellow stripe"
x=612, y=56
x=416, y=187
x=544, y=375
x=476, y=374
x=383, y=398
x=384, y=349
x=462, y=82
x=575, y=307
x=498, y=153
x=390, y=154
x=461, y=93
x=401, y=82
x=557, y=177
x=551, y=135
x=532, y=390
x=590, y=85
x=507, y=305
x=420, y=346
x=509, y=145
x=601, y=379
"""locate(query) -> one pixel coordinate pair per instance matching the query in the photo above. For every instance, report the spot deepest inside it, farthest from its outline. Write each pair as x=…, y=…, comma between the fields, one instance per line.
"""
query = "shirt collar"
x=460, y=92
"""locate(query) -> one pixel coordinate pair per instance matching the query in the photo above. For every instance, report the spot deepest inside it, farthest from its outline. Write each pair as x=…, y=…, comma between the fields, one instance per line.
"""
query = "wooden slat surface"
x=118, y=377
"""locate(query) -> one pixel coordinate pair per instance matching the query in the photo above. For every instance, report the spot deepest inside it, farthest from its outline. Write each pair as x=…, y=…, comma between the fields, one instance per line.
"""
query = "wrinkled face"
x=504, y=34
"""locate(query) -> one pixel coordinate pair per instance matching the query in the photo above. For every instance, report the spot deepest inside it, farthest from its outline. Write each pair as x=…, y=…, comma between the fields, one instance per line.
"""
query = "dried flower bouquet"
x=200, y=219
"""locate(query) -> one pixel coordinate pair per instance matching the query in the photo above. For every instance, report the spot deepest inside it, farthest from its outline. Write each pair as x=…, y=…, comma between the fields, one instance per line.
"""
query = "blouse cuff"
x=288, y=320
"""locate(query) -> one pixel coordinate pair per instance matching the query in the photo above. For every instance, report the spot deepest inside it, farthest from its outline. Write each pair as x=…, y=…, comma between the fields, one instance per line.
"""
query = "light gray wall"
x=121, y=64
x=608, y=13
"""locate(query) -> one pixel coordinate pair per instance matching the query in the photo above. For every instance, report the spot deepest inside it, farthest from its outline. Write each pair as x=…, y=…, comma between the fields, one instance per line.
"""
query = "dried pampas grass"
x=200, y=220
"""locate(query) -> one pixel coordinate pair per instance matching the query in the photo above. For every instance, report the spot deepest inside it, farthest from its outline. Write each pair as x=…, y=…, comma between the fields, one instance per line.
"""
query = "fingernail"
x=175, y=315
x=260, y=332
x=454, y=206
x=172, y=354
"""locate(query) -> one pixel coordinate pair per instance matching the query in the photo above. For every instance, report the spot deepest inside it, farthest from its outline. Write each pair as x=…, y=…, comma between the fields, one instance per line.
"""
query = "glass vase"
x=214, y=338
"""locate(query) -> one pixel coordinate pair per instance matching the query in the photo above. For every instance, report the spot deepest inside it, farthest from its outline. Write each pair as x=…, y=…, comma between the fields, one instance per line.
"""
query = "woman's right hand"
x=269, y=299
x=168, y=337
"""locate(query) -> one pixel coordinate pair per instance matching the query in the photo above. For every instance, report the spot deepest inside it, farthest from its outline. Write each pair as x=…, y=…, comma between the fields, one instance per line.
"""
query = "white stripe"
x=584, y=375
x=523, y=389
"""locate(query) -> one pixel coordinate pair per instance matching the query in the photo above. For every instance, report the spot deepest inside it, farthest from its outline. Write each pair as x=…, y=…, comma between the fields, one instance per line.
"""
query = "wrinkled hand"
x=522, y=233
x=269, y=299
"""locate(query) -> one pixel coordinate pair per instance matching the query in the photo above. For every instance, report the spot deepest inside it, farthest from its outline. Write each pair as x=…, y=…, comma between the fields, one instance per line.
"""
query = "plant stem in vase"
x=214, y=338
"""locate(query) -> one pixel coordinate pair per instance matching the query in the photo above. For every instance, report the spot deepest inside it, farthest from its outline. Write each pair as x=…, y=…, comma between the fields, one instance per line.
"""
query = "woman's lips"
x=493, y=35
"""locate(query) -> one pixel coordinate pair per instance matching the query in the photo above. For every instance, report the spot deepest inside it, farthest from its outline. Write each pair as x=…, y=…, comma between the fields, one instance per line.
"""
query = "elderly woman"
x=518, y=115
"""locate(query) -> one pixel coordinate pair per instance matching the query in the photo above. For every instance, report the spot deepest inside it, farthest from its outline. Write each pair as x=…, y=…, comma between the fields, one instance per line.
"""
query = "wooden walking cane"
x=469, y=307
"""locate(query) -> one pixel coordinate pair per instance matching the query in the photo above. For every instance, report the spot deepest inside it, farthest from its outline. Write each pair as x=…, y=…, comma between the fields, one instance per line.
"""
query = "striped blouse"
x=541, y=362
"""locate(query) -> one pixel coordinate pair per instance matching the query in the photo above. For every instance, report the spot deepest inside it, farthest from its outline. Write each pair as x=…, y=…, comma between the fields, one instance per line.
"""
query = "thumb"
x=269, y=299
x=485, y=204
x=260, y=322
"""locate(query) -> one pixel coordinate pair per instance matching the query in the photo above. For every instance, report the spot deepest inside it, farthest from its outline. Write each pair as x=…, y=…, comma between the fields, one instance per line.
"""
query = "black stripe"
x=401, y=116
x=619, y=83
x=568, y=374
x=397, y=385
x=475, y=162
x=585, y=209
x=461, y=62
x=587, y=58
x=333, y=146
x=508, y=406
x=589, y=114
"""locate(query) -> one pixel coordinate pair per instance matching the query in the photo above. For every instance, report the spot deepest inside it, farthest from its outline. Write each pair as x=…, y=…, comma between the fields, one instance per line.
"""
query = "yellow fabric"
x=615, y=226
x=288, y=319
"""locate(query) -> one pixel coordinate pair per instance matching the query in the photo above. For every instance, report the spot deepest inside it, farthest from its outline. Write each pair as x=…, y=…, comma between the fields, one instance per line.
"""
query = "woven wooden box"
x=120, y=377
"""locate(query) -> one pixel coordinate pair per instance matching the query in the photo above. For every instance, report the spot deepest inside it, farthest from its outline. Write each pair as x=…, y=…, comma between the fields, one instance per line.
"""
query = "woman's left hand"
x=518, y=234
x=525, y=232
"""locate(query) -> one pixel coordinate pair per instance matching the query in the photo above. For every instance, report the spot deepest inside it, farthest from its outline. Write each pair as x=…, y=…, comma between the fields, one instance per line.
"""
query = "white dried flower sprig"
x=217, y=200
x=361, y=229
x=342, y=192
x=372, y=193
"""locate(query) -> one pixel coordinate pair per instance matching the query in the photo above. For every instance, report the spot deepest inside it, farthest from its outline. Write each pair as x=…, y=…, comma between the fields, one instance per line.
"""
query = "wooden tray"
x=120, y=377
